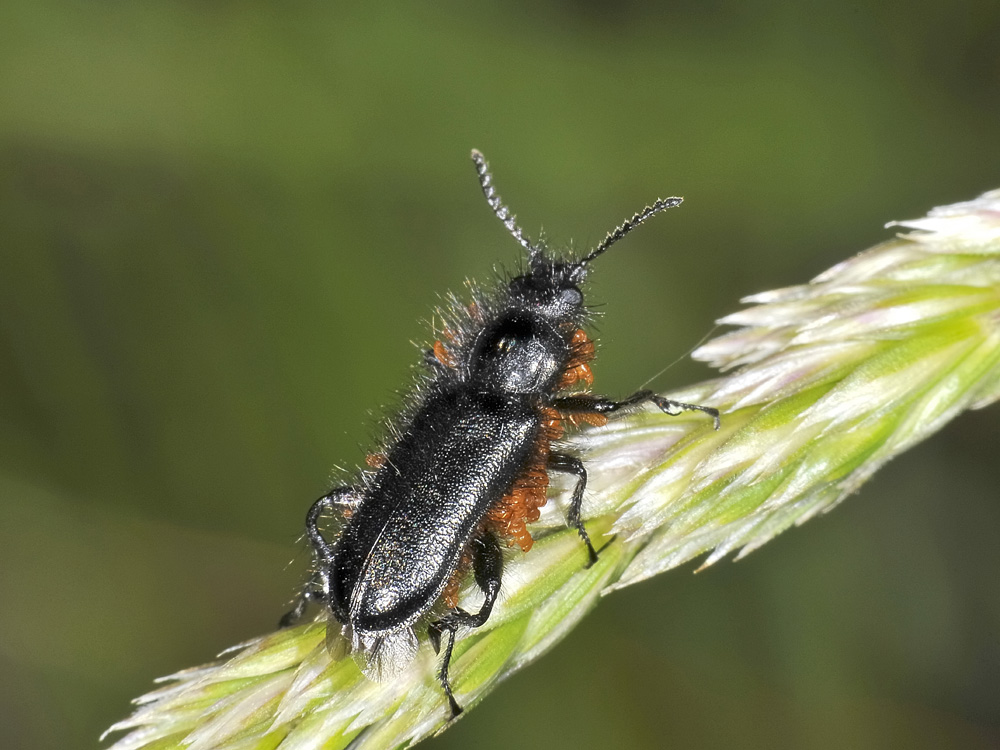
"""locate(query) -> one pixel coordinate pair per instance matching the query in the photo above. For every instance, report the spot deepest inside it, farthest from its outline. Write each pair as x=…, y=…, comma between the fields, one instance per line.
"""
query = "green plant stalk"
x=829, y=380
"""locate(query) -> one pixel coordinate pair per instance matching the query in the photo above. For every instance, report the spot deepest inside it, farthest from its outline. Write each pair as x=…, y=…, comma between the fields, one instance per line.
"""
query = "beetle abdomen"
x=459, y=456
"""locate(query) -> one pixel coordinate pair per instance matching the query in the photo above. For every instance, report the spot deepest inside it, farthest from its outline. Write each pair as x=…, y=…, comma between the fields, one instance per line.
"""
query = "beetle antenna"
x=502, y=212
x=626, y=227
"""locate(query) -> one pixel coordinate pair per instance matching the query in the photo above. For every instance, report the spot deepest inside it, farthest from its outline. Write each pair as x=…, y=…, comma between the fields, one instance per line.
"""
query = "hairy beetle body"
x=459, y=457
x=468, y=468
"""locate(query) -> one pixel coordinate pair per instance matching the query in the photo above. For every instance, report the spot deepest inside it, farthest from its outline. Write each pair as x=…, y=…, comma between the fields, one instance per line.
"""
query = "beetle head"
x=551, y=288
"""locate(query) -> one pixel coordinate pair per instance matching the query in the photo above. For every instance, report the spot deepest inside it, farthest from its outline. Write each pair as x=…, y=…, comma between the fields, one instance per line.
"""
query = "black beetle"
x=468, y=468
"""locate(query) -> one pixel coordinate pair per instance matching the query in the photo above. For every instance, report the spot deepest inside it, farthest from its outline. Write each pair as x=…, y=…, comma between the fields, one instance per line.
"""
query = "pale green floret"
x=829, y=381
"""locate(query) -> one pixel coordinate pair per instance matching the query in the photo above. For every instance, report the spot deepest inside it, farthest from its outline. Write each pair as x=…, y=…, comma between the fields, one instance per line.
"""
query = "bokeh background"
x=221, y=224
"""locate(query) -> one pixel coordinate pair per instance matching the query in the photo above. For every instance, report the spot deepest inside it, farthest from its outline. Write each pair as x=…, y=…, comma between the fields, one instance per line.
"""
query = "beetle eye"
x=571, y=296
x=504, y=344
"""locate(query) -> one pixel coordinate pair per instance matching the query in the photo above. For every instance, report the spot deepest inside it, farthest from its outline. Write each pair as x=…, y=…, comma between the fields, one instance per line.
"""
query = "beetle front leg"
x=600, y=405
x=487, y=565
x=345, y=497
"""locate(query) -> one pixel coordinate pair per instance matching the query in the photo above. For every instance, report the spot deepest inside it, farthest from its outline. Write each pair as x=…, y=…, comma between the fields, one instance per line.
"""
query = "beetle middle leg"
x=487, y=566
x=345, y=497
x=573, y=465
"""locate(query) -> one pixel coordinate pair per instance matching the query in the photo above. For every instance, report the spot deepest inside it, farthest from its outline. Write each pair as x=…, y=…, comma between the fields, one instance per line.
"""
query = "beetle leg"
x=433, y=363
x=487, y=565
x=603, y=405
x=345, y=497
x=573, y=465
x=309, y=594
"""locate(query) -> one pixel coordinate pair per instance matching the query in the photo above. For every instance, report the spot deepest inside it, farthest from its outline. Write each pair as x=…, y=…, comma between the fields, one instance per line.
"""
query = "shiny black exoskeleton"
x=453, y=484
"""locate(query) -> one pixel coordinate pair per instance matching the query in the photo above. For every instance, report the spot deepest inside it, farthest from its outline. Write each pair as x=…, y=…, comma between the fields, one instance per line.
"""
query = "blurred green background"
x=221, y=224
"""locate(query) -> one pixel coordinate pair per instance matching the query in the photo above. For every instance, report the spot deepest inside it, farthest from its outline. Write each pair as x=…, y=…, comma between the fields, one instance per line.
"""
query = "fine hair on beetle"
x=466, y=466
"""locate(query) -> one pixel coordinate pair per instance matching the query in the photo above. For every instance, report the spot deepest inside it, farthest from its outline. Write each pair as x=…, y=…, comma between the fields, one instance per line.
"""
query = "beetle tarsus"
x=673, y=408
x=586, y=403
x=309, y=594
x=607, y=543
x=453, y=704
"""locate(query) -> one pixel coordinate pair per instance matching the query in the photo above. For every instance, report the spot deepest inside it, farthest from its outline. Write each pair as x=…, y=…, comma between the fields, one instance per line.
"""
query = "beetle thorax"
x=520, y=352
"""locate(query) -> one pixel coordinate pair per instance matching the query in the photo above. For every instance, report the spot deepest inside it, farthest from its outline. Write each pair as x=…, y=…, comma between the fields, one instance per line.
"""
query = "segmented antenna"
x=628, y=226
x=502, y=212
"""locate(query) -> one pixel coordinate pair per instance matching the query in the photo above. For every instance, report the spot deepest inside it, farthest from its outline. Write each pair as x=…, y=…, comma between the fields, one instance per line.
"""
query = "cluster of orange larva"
x=578, y=370
x=522, y=505
x=442, y=355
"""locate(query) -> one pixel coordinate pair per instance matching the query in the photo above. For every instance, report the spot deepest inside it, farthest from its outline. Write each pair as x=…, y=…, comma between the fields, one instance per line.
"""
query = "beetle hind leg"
x=342, y=498
x=487, y=566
